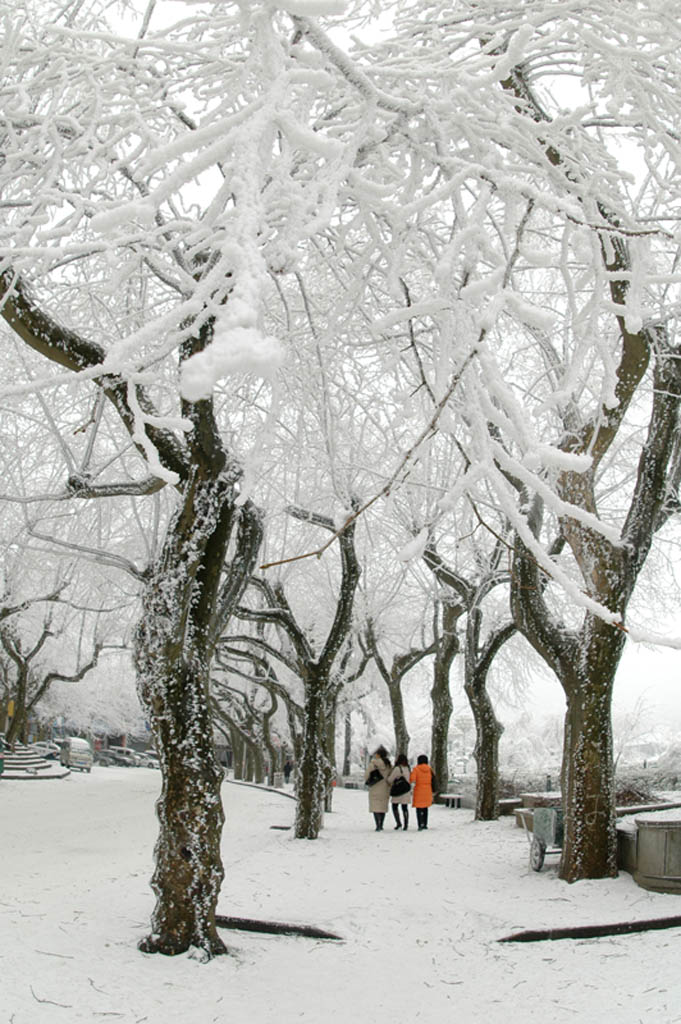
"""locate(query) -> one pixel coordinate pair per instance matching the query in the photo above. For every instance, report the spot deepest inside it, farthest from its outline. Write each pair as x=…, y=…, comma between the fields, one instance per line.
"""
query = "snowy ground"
x=420, y=914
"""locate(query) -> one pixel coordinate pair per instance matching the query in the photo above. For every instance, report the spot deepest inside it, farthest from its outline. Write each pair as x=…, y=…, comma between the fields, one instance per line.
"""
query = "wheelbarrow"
x=546, y=836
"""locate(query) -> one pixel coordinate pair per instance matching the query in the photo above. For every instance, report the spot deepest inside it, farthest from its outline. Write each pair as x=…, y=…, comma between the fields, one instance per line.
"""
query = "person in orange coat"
x=423, y=779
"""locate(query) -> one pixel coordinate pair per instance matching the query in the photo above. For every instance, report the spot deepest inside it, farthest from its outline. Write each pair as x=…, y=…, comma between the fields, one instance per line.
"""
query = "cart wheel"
x=537, y=851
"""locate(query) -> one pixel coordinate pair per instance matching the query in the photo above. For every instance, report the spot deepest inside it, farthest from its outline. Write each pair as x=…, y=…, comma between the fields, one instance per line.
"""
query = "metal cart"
x=546, y=836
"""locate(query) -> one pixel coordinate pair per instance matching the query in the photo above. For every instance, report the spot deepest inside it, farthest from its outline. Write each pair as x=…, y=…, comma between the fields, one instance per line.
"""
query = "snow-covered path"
x=419, y=913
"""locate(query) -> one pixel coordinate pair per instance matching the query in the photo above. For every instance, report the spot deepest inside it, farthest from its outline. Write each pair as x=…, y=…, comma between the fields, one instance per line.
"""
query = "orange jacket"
x=422, y=777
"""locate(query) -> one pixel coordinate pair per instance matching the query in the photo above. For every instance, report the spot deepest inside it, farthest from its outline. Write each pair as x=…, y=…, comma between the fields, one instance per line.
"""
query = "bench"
x=451, y=799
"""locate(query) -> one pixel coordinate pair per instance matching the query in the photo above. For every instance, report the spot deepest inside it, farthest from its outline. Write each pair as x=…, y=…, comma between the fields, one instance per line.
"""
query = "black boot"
x=377, y=819
x=405, y=815
x=381, y=818
x=396, y=815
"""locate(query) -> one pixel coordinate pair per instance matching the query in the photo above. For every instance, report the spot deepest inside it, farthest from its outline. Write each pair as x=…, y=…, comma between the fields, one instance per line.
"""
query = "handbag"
x=374, y=777
x=400, y=786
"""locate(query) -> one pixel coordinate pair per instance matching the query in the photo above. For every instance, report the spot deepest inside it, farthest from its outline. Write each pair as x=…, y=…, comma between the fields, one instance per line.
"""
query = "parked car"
x=148, y=759
x=102, y=758
x=76, y=753
x=111, y=756
x=132, y=755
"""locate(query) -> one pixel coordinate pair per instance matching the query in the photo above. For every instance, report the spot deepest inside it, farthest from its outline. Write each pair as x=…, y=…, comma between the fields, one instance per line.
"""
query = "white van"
x=76, y=753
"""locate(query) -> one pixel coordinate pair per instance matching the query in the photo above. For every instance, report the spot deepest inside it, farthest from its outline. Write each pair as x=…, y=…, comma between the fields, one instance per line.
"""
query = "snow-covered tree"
x=441, y=222
x=158, y=176
x=546, y=308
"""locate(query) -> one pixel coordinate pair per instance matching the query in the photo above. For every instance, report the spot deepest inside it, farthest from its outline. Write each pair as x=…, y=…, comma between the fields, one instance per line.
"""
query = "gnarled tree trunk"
x=174, y=645
x=488, y=728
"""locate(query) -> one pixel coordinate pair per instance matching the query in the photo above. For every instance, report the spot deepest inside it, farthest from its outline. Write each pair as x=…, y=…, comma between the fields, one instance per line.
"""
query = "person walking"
x=400, y=791
x=379, y=790
x=424, y=785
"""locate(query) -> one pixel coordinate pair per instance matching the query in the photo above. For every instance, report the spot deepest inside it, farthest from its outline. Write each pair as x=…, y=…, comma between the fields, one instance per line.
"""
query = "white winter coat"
x=379, y=794
x=398, y=770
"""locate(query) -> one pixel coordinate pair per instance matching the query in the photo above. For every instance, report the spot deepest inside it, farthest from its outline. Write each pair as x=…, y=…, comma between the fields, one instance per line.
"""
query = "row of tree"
x=260, y=281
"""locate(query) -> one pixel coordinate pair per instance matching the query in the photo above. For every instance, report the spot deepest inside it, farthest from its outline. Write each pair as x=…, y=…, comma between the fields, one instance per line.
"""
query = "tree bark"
x=312, y=766
x=447, y=649
x=330, y=752
x=238, y=753
x=172, y=651
x=347, y=741
x=488, y=732
x=402, y=737
x=16, y=725
x=174, y=647
x=488, y=728
x=188, y=871
x=588, y=775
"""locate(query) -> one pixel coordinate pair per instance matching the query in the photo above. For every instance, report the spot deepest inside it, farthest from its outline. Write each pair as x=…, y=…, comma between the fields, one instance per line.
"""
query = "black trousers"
x=405, y=813
x=422, y=817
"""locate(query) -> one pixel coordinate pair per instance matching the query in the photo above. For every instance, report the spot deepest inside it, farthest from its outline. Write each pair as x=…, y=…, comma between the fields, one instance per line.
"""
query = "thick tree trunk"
x=188, y=871
x=14, y=728
x=447, y=649
x=488, y=728
x=312, y=765
x=259, y=765
x=488, y=731
x=183, y=607
x=588, y=776
x=238, y=754
x=402, y=737
x=585, y=663
x=590, y=843
x=173, y=679
x=439, y=737
x=17, y=726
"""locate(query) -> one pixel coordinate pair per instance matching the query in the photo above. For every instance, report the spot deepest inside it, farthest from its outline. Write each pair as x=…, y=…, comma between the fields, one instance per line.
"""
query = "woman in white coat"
x=379, y=791
x=402, y=797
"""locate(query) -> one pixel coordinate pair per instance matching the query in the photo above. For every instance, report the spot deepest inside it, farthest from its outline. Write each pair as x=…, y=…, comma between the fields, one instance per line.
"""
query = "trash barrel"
x=658, y=855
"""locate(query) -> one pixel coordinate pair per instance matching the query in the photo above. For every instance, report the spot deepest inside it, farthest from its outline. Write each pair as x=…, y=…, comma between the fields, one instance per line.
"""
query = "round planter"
x=658, y=857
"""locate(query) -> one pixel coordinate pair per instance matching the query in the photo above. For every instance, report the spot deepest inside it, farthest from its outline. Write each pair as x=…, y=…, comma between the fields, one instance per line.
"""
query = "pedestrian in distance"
x=288, y=767
x=379, y=791
x=400, y=791
x=424, y=786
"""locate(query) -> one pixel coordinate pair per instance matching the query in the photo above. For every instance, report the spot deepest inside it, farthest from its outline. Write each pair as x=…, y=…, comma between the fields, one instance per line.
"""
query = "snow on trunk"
x=588, y=776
